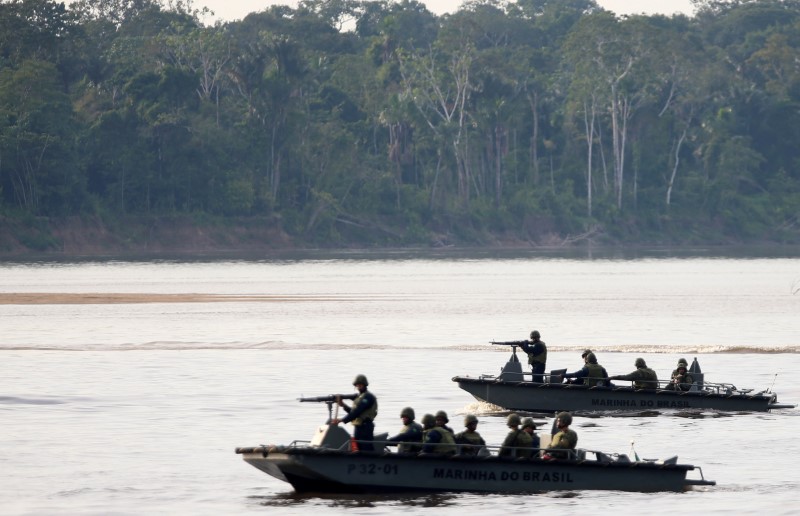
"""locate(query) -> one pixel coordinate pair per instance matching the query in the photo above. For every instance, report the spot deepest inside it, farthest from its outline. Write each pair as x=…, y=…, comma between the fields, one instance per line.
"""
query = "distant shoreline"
x=89, y=298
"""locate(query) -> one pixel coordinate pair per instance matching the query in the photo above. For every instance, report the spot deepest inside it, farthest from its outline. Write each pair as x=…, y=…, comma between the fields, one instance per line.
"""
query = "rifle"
x=330, y=399
x=508, y=343
x=513, y=344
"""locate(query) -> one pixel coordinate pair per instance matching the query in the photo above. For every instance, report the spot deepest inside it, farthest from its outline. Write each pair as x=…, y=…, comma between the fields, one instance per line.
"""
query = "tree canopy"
x=379, y=122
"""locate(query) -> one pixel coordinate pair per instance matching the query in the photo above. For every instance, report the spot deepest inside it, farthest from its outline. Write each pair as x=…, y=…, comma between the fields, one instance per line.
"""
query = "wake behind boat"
x=511, y=390
x=328, y=464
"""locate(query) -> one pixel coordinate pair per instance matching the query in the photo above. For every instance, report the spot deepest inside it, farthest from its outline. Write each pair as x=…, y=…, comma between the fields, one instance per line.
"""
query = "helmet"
x=565, y=418
x=361, y=379
x=513, y=420
x=585, y=353
x=640, y=362
x=591, y=358
x=469, y=418
x=535, y=334
x=407, y=412
x=528, y=422
x=442, y=415
x=682, y=361
x=428, y=421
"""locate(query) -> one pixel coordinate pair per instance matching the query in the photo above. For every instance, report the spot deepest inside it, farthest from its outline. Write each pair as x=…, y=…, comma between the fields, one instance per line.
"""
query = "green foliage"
x=414, y=128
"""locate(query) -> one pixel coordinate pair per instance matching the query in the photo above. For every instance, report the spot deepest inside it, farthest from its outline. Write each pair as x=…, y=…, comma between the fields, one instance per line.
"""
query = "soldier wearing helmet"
x=409, y=434
x=435, y=439
x=681, y=379
x=471, y=441
x=442, y=420
x=517, y=443
x=362, y=414
x=591, y=374
x=529, y=427
x=565, y=439
x=537, y=355
x=643, y=377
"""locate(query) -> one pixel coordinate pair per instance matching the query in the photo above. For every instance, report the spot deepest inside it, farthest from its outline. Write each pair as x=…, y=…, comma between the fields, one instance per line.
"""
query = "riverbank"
x=202, y=237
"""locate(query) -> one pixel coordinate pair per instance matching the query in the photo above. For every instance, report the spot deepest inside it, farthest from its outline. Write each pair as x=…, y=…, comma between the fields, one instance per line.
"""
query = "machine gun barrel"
x=508, y=343
x=331, y=398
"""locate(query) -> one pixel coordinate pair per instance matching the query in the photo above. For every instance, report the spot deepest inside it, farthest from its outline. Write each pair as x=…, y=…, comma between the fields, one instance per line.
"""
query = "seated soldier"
x=517, y=443
x=471, y=441
x=565, y=439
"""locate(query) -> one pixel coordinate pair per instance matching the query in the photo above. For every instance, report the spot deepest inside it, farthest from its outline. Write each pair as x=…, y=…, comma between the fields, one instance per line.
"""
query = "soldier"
x=681, y=379
x=564, y=439
x=517, y=442
x=471, y=441
x=592, y=373
x=435, y=438
x=529, y=427
x=362, y=414
x=643, y=377
x=537, y=355
x=410, y=433
x=442, y=420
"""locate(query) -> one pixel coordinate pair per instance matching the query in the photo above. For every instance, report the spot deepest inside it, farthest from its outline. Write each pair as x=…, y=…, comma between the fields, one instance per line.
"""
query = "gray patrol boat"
x=511, y=390
x=328, y=464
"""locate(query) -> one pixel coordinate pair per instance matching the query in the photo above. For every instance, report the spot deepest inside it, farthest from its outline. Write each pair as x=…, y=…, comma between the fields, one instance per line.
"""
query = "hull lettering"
x=600, y=402
x=554, y=477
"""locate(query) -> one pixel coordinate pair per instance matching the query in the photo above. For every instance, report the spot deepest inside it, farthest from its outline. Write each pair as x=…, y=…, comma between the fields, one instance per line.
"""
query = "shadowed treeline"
x=380, y=123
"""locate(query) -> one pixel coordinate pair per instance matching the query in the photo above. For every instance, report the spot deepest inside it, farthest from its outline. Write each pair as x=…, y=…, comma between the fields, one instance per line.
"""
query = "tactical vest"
x=521, y=440
x=685, y=380
x=648, y=379
x=411, y=448
x=525, y=442
x=369, y=414
x=473, y=438
x=539, y=357
x=595, y=375
x=565, y=440
x=447, y=445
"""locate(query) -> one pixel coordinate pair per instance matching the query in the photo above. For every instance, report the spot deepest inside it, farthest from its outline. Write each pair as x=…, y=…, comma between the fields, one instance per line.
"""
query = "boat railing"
x=706, y=388
x=517, y=452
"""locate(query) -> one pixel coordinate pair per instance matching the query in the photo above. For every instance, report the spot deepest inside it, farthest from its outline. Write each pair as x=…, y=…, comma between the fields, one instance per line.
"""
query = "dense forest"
x=360, y=122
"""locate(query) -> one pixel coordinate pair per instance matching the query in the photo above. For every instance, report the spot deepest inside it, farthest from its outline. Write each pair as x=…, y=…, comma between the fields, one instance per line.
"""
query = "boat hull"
x=333, y=471
x=548, y=398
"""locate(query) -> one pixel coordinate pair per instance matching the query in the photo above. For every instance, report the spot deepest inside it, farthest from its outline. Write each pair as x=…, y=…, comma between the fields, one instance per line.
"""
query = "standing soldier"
x=537, y=355
x=362, y=414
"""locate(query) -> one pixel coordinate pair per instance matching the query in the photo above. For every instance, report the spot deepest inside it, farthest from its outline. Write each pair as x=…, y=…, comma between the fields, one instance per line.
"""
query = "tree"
x=36, y=148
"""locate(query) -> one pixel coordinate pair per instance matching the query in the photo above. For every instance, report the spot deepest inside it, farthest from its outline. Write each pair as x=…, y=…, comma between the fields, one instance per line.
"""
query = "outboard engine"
x=512, y=371
x=331, y=436
x=696, y=373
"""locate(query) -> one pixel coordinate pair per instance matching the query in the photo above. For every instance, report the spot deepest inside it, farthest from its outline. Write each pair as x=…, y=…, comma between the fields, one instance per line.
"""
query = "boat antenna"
x=773, y=382
x=633, y=452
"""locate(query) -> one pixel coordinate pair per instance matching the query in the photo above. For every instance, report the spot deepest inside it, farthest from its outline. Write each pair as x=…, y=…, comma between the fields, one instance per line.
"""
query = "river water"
x=126, y=386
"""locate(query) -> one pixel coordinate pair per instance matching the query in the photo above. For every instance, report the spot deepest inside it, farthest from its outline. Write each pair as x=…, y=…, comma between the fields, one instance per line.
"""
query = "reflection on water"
x=350, y=501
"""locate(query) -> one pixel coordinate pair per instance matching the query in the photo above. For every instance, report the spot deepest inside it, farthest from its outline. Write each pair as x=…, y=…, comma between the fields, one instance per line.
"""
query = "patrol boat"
x=512, y=391
x=330, y=463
